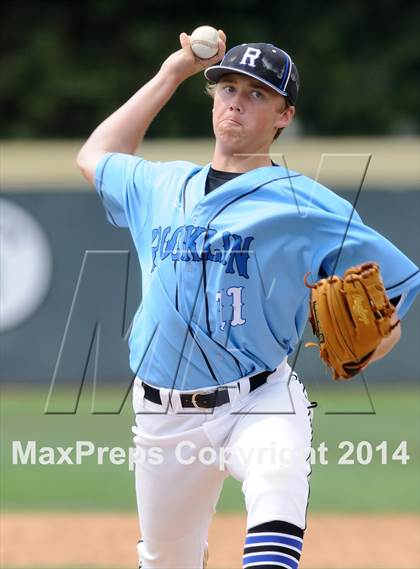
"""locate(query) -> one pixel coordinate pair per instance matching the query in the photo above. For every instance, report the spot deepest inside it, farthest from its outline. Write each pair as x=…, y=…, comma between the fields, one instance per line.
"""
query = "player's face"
x=247, y=114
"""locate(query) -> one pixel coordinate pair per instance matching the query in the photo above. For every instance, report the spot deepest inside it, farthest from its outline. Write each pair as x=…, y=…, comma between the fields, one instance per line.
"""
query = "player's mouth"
x=231, y=121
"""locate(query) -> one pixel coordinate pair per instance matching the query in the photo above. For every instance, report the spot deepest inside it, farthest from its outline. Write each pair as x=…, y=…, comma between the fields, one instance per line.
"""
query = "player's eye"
x=255, y=94
x=229, y=89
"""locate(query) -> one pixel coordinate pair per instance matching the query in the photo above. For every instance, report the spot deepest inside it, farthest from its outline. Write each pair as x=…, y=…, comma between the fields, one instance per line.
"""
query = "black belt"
x=205, y=400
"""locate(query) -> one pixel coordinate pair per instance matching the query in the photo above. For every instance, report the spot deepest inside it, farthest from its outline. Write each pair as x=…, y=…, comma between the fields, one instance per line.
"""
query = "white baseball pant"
x=262, y=439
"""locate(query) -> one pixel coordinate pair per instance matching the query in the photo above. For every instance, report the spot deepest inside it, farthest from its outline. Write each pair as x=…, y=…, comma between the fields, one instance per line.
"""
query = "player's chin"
x=229, y=132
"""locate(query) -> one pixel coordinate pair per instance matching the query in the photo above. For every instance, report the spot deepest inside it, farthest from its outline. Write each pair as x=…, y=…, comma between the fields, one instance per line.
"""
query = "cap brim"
x=215, y=72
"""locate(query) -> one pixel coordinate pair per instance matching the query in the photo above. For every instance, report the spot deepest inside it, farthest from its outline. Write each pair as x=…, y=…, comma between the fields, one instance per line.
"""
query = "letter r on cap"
x=250, y=56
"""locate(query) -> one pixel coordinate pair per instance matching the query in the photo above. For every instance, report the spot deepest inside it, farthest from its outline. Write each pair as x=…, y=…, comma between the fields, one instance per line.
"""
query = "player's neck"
x=238, y=162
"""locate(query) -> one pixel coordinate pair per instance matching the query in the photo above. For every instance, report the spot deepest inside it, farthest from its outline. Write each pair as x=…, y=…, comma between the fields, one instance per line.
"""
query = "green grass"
x=375, y=487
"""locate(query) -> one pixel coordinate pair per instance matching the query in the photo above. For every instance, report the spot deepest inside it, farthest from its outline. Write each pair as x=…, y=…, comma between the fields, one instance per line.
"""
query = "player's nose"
x=236, y=104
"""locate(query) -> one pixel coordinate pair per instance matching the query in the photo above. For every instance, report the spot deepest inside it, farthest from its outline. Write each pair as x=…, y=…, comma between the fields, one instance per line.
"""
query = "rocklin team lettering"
x=181, y=245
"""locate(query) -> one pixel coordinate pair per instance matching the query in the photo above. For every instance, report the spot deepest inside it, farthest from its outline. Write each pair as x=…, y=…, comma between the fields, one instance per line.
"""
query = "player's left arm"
x=401, y=277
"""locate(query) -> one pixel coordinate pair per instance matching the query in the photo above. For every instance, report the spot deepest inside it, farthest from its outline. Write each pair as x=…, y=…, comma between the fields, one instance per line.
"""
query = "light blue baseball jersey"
x=222, y=274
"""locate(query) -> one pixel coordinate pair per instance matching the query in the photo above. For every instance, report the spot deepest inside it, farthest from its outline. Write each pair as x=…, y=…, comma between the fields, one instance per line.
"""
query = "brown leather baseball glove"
x=350, y=316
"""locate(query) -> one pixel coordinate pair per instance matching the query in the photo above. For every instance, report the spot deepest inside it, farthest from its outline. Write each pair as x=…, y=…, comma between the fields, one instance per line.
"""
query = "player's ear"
x=285, y=117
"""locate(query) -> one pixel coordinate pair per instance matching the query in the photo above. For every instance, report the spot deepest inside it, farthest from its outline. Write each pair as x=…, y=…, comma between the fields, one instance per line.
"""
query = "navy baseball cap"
x=262, y=61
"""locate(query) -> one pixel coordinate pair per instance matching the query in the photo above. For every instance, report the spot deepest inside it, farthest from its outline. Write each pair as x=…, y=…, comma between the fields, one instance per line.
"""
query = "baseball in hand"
x=205, y=42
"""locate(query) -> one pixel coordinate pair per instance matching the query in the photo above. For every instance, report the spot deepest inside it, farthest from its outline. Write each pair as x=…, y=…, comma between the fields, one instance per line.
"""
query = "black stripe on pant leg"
x=278, y=527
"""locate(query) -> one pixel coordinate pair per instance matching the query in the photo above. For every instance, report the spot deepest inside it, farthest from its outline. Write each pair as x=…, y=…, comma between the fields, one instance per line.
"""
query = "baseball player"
x=224, y=249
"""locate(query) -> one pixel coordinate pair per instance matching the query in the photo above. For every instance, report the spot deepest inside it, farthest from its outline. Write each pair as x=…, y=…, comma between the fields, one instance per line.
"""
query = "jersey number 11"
x=235, y=301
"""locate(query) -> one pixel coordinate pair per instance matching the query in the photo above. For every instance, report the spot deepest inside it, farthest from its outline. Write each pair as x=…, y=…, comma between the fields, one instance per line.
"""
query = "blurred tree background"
x=67, y=64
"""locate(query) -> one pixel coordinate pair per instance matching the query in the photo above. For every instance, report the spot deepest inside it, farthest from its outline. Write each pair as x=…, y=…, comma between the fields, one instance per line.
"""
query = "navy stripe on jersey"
x=249, y=193
x=149, y=343
x=203, y=262
x=183, y=193
x=203, y=353
x=404, y=281
x=137, y=191
x=176, y=289
x=111, y=217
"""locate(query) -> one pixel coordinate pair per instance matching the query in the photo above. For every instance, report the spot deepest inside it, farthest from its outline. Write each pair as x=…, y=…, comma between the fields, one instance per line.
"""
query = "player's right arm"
x=124, y=130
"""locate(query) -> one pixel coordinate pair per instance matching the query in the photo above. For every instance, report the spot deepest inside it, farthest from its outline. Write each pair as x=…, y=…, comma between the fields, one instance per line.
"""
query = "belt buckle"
x=193, y=399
